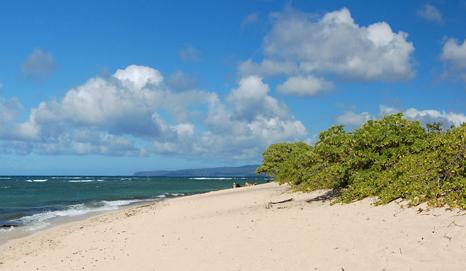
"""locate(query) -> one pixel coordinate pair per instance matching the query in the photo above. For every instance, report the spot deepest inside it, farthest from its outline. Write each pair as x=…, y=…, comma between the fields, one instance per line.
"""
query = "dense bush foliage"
x=389, y=159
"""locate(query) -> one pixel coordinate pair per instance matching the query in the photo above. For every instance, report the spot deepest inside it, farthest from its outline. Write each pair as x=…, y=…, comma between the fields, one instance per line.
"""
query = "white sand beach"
x=237, y=229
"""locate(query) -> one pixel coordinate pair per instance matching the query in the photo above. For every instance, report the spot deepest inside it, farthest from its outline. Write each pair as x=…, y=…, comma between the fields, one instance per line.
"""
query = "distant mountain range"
x=243, y=171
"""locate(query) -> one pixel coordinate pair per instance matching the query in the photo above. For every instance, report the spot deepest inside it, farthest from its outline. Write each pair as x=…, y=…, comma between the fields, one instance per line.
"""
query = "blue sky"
x=113, y=87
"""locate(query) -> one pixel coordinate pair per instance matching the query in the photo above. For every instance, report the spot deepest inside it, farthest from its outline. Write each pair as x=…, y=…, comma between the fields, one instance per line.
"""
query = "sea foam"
x=211, y=178
x=37, y=181
x=42, y=220
x=85, y=181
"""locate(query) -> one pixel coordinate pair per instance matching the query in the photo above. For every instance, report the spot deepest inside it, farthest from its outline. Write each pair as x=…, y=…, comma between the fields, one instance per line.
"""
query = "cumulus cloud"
x=353, y=119
x=135, y=112
x=454, y=58
x=430, y=13
x=38, y=65
x=242, y=126
x=120, y=104
x=334, y=45
x=138, y=76
x=429, y=116
x=189, y=53
x=304, y=86
x=10, y=110
x=180, y=81
x=447, y=119
x=251, y=99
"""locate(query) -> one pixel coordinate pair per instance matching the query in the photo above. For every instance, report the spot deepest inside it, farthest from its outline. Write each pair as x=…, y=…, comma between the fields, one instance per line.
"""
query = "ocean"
x=35, y=202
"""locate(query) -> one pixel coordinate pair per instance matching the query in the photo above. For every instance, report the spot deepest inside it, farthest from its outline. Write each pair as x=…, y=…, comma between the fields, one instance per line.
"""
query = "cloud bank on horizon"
x=137, y=111
x=123, y=114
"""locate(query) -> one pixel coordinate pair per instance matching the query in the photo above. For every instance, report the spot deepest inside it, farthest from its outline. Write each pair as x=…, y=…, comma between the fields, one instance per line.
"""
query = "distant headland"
x=242, y=171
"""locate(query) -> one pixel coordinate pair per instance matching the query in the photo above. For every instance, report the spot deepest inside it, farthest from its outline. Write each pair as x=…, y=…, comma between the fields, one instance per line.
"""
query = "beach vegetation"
x=390, y=158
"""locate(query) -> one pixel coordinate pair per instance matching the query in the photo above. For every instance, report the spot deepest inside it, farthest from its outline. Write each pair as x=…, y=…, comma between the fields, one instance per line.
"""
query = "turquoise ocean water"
x=31, y=202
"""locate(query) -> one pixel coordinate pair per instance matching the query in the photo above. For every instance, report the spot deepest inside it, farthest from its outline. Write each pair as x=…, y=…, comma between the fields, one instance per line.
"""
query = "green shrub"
x=389, y=159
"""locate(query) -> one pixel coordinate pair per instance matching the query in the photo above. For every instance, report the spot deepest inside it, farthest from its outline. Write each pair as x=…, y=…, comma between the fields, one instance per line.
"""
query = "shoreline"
x=23, y=232
x=235, y=229
x=96, y=195
x=20, y=232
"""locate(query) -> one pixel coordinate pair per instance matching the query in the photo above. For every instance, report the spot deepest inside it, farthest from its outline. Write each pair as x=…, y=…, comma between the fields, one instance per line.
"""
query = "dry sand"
x=236, y=230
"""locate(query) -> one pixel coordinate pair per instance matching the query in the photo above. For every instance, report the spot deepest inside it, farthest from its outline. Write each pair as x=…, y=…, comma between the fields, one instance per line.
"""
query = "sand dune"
x=237, y=229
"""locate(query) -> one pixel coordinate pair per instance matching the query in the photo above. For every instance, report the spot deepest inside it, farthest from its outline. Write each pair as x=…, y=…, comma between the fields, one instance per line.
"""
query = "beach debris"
x=271, y=203
x=130, y=213
x=281, y=201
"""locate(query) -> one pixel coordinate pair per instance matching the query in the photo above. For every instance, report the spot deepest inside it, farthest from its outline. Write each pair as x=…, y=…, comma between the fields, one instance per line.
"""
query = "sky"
x=114, y=87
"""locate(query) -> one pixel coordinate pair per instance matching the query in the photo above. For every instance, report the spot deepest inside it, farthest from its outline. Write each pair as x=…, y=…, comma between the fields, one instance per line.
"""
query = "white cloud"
x=38, y=65
x=333, y=45
x=138, y=76
x=388, y=110
x=354, y=119
x=121, y=106
x=430, y=13
x=180, y=81
x=304, y=86
x=242, y=127
x=87, y=141
x=9, y=128
x=454, y=57
x=424, y=116
x=429, y=116
x=119, y=111
x=9, y=109
x=134, y=112
x=251, y=99
x=247, y=123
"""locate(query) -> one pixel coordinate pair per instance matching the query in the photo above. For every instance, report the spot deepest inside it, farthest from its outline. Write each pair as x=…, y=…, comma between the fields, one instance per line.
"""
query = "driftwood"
x=282, y=201
x=271, y=203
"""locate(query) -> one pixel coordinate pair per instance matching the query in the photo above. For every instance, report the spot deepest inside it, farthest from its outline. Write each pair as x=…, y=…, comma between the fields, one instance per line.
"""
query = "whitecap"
x=81, y=181
x=211, y=178
x=8, y=229
x=174, y=194
x=42, y=220
x=119, y=203
x=37, y=181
